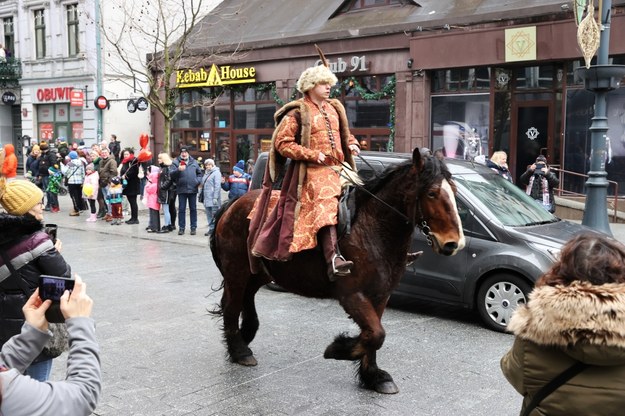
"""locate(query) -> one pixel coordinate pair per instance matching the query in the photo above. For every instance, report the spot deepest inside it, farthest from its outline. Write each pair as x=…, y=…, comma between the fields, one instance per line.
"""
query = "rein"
x=423, y=226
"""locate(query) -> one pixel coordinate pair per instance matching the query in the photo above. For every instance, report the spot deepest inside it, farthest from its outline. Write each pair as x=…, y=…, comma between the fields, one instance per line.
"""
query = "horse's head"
x=437, y=213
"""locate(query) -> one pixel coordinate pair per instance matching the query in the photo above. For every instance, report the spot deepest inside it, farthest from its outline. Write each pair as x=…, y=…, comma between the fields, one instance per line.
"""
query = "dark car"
x=510, y=242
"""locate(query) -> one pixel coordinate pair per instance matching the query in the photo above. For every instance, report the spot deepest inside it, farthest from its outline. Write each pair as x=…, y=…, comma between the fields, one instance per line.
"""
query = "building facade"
x=469, y=79
x=54, y=72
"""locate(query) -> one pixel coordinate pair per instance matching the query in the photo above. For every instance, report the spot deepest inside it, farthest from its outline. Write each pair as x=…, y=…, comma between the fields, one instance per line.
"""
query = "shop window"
x=222, y=117
x=535, y=77
x=254, y=116
x=460, y=125
x=461, y=79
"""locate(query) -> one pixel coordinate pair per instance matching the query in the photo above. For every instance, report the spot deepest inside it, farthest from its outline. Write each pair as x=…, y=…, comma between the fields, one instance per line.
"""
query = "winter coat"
x=501, y=170
x=186, y=181
x=74, y=171
x=107, y=169
x=47, y=159
x=562, y=325
x=151, y=190
x=31, y=253
x=536, y=191
x=212, y=187
x=76, y=395
x=237, y=186
x=32, y=165
x=9, y=167
x=92, y=180
x=166, y=186
x=130, y=172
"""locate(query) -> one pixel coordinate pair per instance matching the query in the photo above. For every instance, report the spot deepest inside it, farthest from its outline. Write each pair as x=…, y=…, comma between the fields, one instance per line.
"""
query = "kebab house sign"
x=215, y=77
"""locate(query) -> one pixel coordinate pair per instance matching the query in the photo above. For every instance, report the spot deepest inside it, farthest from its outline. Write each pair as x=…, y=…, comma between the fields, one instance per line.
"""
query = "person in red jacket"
x=9, y=166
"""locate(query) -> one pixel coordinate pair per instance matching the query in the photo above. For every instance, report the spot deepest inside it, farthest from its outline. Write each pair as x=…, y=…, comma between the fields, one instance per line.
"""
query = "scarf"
x=544, y=186
x=128, y=159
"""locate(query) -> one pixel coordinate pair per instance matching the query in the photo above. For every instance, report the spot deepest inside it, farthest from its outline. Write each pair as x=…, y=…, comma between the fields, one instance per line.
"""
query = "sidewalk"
x=63, y=220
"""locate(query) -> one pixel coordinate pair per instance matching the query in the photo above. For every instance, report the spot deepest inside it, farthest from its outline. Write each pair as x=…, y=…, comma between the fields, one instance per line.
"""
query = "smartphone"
x=53, y=287
x=50, y=229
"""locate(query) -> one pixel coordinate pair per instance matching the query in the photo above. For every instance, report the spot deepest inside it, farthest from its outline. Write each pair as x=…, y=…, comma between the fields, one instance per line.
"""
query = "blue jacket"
x=237, y=186
x=186, y=181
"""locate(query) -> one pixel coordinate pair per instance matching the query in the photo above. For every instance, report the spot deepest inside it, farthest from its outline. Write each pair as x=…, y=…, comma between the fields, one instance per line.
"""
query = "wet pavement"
x=162, y=352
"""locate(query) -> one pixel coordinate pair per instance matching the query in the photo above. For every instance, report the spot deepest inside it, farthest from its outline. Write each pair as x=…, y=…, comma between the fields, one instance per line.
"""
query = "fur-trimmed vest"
x=559, y=326
x=300, y=110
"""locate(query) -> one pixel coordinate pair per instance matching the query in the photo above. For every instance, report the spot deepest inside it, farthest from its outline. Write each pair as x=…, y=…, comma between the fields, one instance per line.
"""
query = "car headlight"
x=551, y=252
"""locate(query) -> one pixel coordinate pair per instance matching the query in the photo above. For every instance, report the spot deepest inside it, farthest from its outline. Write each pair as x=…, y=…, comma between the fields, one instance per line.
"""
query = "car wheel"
x=498, y=297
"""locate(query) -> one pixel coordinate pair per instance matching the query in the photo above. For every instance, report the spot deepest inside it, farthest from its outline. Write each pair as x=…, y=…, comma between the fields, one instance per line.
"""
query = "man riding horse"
x=314, y=133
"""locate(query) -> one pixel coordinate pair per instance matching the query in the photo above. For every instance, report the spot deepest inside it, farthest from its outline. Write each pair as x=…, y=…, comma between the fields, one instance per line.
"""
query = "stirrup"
x=343, y=267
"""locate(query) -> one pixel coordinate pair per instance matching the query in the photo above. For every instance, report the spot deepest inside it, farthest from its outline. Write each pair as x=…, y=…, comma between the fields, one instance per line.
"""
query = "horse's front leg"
x=364, y=346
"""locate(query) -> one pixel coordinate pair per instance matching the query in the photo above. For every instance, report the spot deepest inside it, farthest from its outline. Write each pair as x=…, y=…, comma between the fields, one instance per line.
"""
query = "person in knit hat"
x=9, y=166
x=31, y=252
x=314, y=133
x=238, y=183
x=47, y=159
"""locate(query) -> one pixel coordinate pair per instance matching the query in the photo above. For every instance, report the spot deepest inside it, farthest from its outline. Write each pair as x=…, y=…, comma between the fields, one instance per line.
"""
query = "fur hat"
x=73, y=154
x=19, y=196
x=240, y=166
x=43, y=146
x=313, y=76
x=90, y=166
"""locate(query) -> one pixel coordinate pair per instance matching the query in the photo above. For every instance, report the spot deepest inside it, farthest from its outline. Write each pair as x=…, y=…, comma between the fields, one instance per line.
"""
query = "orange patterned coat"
x=301, y=134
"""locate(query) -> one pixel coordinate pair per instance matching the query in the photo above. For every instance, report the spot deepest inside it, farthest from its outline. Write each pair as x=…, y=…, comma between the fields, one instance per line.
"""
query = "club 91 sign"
x=140, y=104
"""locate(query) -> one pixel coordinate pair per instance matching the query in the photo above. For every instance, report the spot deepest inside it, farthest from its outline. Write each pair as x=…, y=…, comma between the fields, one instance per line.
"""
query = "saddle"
x=347, y=210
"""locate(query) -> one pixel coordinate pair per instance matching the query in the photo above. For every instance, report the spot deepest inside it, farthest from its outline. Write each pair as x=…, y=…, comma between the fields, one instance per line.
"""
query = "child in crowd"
x=54, y=185
x=90, y=189
x=115, y=199
x=151, y=192
x=238, y=183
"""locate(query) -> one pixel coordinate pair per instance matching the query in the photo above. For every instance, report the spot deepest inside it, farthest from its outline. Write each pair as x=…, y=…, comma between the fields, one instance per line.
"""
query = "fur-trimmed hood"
x=15, y=227
x=583, y=319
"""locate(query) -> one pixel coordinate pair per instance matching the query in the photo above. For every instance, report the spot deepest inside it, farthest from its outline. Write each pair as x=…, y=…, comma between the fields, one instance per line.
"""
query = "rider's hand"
x=354, y=149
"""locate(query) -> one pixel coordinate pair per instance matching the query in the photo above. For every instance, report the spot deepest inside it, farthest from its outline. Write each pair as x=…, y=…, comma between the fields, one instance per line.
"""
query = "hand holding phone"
x=53, y=287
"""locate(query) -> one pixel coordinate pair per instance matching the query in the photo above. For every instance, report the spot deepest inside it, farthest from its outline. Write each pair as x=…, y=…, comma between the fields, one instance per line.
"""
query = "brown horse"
x=419, y=192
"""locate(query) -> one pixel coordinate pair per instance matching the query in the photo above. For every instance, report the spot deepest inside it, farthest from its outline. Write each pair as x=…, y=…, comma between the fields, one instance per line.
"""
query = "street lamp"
x=600, y=79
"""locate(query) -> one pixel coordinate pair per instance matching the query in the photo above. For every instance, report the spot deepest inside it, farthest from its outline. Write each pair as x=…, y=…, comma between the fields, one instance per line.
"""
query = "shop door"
x=534, y=127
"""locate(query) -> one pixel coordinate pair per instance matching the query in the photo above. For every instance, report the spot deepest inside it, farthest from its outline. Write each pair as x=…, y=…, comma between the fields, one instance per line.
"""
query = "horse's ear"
x=417, y=159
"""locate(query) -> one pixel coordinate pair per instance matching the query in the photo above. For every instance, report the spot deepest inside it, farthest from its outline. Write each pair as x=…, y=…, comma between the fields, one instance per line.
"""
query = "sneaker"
x=181, y=231
x=149, y=230
x=132, y=221
x=192, y=231
x=55, y=209
x=108, y=218
x=74, y=213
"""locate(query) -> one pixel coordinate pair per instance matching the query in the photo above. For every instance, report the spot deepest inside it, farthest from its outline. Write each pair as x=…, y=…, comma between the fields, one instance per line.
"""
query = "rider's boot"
x=337, y=265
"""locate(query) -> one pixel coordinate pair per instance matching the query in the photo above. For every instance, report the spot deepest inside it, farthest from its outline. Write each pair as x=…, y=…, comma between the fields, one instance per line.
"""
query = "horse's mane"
x=433, y=168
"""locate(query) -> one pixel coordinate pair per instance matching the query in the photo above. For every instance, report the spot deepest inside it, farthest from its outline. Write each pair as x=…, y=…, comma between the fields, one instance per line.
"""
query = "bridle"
x=421, y=223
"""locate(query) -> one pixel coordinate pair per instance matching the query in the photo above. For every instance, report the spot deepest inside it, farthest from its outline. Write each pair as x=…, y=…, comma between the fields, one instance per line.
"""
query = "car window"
x=502, y=201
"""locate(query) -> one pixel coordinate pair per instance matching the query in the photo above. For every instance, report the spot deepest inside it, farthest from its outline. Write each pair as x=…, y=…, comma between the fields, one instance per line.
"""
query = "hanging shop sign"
x=352, y=64
x=131, y=105
x=76, y=98
x=215, y=77
x=101, y=103
x=142, y=104
x=9, y=98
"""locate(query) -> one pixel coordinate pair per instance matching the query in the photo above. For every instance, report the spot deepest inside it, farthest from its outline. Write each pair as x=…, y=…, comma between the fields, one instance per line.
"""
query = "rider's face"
x=321, y=91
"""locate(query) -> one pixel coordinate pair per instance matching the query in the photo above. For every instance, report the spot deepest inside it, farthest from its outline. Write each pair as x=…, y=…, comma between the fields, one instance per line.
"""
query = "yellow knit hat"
x=19, y=196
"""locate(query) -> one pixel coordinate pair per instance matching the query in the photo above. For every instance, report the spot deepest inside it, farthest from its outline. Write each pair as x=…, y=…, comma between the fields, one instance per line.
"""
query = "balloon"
x=87, y=189
x=144, y=139
x=144, y=155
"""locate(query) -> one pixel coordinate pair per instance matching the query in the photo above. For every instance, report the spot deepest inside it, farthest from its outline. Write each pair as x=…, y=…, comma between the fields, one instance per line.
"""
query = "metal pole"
x=596, y=209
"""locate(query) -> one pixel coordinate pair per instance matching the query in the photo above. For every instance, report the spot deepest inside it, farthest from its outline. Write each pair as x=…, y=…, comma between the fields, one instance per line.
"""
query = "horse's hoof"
x=387, y=387
x=248, y=361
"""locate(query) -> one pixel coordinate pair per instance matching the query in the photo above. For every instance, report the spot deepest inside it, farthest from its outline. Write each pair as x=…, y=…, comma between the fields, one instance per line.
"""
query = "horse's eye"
x=432, y=194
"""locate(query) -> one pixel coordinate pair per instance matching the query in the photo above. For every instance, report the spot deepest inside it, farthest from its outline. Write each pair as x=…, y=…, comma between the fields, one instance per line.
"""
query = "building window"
x=40, y=34
x=9, y=36
x=73, y=46
x=461, y=80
